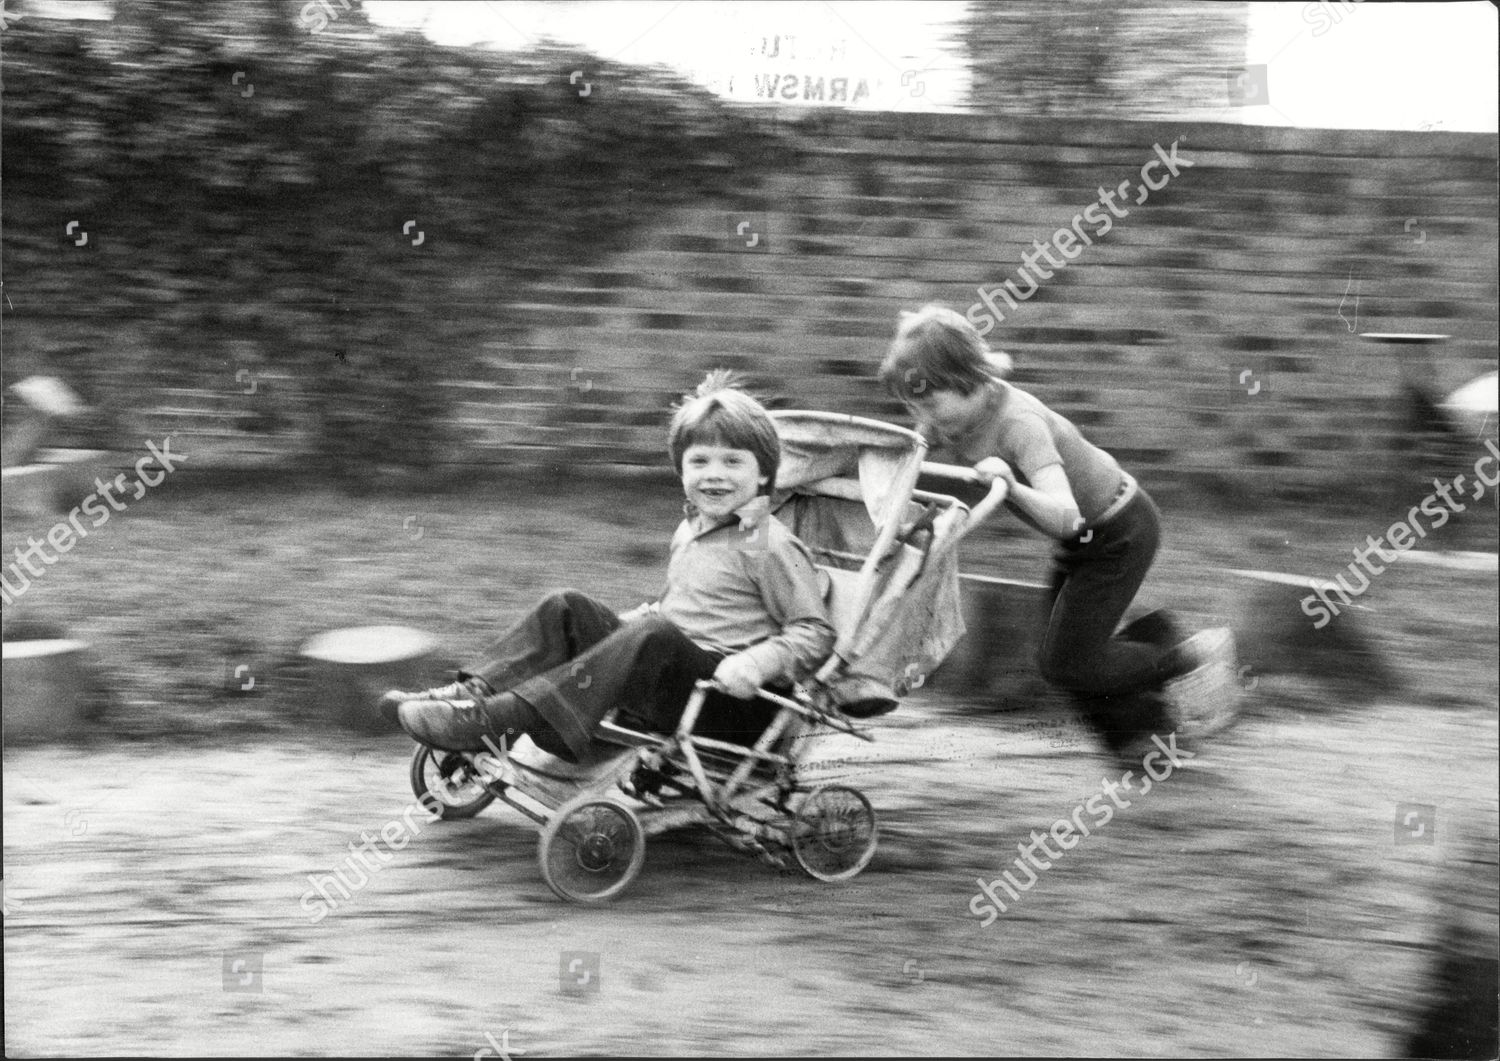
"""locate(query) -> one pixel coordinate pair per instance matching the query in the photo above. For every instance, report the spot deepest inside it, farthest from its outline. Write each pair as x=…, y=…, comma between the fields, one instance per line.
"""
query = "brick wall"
x=1252, y=259
x=1268, y=255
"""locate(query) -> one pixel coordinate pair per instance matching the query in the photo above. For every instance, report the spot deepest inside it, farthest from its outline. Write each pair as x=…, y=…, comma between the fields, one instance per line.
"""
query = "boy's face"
x=720, y=479
x=948, y=413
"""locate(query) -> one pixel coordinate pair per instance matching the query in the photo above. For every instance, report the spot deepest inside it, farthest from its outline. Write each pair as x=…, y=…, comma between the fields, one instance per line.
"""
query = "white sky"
x=1377, y=66
x=1332, y=64
x=902, y=51
x=1329, y=63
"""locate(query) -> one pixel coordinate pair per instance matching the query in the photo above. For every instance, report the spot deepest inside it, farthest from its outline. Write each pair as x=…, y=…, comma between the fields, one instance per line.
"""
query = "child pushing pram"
x=1104, y=526
x=694, y=710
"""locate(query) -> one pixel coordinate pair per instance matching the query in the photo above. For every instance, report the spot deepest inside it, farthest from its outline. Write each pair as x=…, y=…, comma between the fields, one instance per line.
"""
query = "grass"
x=195, y=578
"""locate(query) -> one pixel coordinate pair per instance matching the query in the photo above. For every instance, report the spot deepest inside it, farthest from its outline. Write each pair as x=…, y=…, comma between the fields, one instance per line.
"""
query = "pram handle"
x=969, y=477
x=835, y=721
x=964, y=474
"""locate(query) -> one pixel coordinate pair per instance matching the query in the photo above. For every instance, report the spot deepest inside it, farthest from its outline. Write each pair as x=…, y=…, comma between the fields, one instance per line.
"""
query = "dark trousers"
x=1093, y=583
x=573, y=661
x=1114, y=678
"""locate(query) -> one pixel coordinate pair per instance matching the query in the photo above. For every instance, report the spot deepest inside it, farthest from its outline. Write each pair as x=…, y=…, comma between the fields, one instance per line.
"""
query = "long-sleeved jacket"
x=749, y=585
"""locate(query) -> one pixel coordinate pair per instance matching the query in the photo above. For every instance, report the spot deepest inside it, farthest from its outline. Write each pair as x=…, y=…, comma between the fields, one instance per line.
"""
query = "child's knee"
x=647, y=634
x=656, y=632
x=1065, y=672
x=562, y=599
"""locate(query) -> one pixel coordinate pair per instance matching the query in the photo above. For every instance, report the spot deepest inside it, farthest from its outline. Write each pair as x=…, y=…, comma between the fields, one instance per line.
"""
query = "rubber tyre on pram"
x=834, y=833
x=432, y=774
x=591, y=849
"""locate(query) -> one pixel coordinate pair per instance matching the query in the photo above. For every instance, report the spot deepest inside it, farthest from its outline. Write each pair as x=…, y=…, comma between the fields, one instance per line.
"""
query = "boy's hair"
x=936, y=349
x=719, y=413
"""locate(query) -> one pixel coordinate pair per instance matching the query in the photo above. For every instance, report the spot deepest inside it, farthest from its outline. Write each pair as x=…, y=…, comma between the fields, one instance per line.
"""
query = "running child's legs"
x=1092, y=586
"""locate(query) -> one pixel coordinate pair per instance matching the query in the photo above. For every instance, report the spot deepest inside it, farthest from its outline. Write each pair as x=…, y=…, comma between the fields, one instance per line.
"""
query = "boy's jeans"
x=573, y=660
x=1114, y=678
x=1092, y=585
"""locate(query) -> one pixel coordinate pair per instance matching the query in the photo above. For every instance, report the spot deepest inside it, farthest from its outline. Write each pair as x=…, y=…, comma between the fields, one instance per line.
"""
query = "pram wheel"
x=445, y=784
x=591, y=849
x=834, y=833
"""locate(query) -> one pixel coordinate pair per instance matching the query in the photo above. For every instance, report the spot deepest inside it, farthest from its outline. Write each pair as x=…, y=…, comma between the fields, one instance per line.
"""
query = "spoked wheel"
x=591, y=849
x=445, y=784
x=834, y=833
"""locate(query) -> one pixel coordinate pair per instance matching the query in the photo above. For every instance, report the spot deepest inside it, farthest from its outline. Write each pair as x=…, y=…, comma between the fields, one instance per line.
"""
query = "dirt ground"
x=1262, y=900
x=1253, y=903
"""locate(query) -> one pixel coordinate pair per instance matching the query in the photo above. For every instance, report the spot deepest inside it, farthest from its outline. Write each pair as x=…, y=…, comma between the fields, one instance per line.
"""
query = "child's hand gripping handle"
x=992, y=472
x=823, y=714
x=738, y=676
x=640, y=611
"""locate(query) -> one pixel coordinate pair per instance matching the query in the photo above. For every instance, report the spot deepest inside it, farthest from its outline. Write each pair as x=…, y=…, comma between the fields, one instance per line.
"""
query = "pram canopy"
x=847, y=488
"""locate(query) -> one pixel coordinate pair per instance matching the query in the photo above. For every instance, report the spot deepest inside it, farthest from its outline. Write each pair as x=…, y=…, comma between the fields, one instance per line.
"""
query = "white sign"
x=902, y=56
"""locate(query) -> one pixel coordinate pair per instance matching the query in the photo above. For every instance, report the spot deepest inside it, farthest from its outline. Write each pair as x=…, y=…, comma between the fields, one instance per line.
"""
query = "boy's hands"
x=640, y=611
x=739, y=676
x=993, y=468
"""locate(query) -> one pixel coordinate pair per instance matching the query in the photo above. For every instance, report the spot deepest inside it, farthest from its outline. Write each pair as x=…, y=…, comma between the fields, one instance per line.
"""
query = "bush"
x=246, y=187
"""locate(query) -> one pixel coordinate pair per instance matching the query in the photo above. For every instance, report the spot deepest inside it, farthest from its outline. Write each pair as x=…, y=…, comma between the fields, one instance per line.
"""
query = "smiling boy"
x=742, y=605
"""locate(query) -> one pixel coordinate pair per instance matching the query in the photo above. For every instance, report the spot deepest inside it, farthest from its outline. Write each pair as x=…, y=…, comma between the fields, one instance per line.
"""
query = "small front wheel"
x=834, y=833
x=447, y=785
x=591, y=849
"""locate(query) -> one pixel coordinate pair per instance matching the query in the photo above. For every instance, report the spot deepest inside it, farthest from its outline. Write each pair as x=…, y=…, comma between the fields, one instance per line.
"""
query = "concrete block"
x=1277, y=636
x=31, y=491
x=24, y=431
x=80, y=468
x=1474, y=405
x=38, y=402
x=352, y=667
x=47, y=688
x=997, y=656
x=60, y=480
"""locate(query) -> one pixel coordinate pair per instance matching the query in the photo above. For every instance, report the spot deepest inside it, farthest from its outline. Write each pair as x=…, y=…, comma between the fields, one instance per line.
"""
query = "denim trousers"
x=573, y=661
x=1114, y=679
x=1092, y=585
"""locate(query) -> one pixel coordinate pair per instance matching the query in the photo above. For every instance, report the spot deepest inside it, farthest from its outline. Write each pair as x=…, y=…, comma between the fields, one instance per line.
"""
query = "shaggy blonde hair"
x=719, y=412
x=936, y=349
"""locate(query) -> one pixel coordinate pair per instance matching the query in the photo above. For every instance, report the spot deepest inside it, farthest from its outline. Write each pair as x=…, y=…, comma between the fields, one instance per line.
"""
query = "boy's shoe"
x=475, y=689
x=1157, y=627
x=1188, y=656
x=1124, y=724
x=448, y=725
x=860, y=696
x=1204, y=697
x=870, y=707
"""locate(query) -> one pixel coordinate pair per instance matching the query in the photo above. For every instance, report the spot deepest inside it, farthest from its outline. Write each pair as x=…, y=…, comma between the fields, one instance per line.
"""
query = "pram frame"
x=730, y=800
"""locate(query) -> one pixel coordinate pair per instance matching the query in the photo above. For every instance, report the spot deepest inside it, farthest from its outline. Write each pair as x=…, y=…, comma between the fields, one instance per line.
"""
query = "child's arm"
x=740, y=675
x=653, y=607
x=793, y=597
x=1048, y=501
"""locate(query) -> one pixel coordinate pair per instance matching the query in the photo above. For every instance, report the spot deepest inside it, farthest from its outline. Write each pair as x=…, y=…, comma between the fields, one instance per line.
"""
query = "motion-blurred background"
x=315, y=238
x=412, y=285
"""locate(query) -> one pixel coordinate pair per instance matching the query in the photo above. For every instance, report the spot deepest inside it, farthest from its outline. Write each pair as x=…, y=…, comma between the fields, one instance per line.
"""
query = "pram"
x=847, y=488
